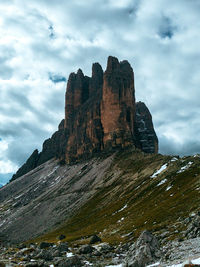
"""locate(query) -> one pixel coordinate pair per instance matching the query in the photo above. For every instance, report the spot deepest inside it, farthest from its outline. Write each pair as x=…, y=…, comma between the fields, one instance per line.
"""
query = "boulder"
x=86, y=249
x=74, y=261
x=94, y=239
x=61, y=237
x=63, y=247
x=45, y=245
x=145, y=251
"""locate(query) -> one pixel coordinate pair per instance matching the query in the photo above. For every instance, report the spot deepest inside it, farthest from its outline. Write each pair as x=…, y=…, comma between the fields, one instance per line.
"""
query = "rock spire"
x=100, y=115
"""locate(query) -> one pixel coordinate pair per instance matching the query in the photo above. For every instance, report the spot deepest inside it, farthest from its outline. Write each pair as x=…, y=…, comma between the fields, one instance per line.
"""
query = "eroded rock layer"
x=100, y=115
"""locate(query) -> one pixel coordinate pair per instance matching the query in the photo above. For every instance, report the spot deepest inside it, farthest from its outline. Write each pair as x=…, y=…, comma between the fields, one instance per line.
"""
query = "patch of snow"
x=196, y=261
x=51, y=265
x=154, y=264
x=184, y=168
x=174, y=159
x=88, y=263
x=69, y=254
x=120, y=220
x=162, y=182
x=123, y=208
x=168, y=188
x=98, y=246
x=196, y=156
x=162, y=168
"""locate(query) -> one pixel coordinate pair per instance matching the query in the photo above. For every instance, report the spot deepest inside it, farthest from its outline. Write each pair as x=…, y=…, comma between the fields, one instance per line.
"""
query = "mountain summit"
x=101, y=115
x=119, y=192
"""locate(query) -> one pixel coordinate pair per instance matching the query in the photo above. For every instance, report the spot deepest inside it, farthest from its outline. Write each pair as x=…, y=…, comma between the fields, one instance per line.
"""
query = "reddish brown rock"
x=100, y=115
x=83, y=115
x=118, y=104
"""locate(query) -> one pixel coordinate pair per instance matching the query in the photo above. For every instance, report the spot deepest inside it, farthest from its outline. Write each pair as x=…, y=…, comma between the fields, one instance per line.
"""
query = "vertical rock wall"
x=100, y=115
x=118, y=104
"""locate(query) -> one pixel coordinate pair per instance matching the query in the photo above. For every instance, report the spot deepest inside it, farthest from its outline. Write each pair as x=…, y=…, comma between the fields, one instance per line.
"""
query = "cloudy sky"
x=42, y=41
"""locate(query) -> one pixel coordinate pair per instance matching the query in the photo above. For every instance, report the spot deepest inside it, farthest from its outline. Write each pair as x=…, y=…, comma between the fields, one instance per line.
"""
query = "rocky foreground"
x=148, y=250
x=115, y=197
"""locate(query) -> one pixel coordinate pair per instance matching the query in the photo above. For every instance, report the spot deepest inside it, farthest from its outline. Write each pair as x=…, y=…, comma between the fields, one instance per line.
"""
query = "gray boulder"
x=74, y=261
x=145, y=251
x=61, y=237
x=86, y=249
x=45, y=245
x=95, y=239
x=63, y=247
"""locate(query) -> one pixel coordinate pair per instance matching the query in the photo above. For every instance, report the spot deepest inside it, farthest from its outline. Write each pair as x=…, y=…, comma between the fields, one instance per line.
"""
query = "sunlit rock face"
x=100, y=115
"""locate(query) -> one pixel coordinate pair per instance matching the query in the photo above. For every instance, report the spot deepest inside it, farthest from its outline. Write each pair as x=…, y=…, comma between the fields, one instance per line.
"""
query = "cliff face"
x=100, y=115
x=118, y=104
x=145, y=130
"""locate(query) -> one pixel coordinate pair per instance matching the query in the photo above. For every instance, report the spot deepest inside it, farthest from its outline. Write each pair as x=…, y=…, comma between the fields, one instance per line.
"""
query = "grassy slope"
x=128, y=185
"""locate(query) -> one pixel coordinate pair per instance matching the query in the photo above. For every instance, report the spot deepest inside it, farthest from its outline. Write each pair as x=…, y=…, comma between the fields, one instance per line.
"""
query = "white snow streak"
x=174, y=159
x=162, y=168
x=168, y=188
x=184, y=168
x=69, y=254
x=162, y=182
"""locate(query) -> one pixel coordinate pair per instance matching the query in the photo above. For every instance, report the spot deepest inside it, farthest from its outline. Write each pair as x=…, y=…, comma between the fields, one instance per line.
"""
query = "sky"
x=43, y=41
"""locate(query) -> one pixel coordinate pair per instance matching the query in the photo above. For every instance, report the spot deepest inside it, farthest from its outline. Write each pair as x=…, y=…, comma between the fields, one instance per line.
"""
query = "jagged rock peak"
x=145, y=129
x=100, y=115
x=96, y=82
x=113, y=65
x=97, y=70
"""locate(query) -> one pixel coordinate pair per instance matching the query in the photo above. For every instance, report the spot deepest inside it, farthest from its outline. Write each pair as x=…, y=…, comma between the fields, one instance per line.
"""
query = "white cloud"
x=7, y=167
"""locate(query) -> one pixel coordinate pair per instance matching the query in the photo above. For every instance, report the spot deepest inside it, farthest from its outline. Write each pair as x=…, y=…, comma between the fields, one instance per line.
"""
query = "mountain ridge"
x=54, y=197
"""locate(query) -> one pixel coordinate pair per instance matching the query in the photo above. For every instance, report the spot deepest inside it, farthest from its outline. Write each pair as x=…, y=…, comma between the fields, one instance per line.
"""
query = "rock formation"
x=145, y=130
x=100, y=115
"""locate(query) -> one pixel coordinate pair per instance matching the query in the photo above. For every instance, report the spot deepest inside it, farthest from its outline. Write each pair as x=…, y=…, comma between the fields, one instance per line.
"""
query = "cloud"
x=56, y=78
x=42, y=41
